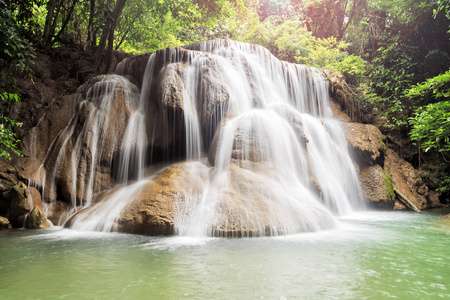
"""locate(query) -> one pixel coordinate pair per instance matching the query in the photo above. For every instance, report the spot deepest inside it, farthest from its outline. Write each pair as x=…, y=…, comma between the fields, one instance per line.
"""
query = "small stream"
x=371, y=255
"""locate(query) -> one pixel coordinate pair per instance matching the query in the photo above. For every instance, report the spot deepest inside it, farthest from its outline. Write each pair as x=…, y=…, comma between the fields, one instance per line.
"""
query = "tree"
x=15, y=49
x=108, y=33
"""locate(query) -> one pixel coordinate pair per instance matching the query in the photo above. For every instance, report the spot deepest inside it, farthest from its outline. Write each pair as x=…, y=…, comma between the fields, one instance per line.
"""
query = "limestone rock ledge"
x=377, y=187
x=407, y=180
x=386, y=179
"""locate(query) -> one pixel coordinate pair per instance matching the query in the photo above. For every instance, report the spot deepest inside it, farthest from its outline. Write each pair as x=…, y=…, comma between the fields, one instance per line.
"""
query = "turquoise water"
x=373, y=255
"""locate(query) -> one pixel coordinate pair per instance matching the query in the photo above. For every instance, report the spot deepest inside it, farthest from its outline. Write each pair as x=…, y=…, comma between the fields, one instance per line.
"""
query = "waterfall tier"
x=218, y=138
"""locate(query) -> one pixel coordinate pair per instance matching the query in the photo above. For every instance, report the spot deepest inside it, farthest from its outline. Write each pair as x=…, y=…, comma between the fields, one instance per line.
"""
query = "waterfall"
x=258, y=131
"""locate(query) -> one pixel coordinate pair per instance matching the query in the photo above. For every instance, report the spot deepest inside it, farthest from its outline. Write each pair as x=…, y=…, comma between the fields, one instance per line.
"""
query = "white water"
x=281, y=164
x=267, y=98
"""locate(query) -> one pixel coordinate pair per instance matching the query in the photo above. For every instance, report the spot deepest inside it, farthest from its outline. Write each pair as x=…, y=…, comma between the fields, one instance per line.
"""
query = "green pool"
x=373, y=255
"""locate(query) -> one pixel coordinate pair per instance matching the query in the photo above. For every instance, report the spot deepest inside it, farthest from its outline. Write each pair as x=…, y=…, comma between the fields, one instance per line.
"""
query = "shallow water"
x=373, y=255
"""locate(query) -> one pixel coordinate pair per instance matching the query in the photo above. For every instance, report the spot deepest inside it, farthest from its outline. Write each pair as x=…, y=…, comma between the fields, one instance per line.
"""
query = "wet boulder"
x=377, y=188
x=152, y=211
x=86, y=146
x=19, y=204
x=4, y=223
x=243, y=203
x=215, y=94
x=36, y=219
x=406, y=179
x=171, y=87
x=365, y=144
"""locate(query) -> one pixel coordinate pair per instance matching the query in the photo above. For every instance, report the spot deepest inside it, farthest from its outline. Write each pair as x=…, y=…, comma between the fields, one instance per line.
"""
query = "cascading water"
x=281, y=133
x=259, y=132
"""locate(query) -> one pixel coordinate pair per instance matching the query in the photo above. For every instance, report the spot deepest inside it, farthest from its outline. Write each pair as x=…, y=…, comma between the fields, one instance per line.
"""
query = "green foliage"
x=431, y=126
x=290, y=40
x=8, y=141
x=324, y=53
x=435, y=88
x=165, y=23
x=440, y=5
x=431, y=123
x=284, y=39
x=444, y=184
x=15, y=49
x=391, y=74
x=389, y=186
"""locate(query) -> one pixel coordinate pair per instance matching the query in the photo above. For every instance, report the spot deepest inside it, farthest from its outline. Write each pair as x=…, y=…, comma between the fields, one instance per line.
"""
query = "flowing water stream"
x=371, y=255
x=277, y=160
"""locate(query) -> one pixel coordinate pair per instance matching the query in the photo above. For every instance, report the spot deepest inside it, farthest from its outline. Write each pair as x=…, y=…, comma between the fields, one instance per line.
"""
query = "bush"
x=15, y=50
x=8, y=142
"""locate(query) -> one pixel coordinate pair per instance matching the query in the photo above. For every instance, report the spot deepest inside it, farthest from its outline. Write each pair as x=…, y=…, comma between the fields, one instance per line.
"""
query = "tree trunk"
x=59, y=5
x=48, y=19
x=66, y=21
x=90, y=28
x=108, y=31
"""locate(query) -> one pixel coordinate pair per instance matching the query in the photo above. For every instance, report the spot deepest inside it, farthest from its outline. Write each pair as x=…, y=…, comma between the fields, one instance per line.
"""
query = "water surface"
x=373, y=255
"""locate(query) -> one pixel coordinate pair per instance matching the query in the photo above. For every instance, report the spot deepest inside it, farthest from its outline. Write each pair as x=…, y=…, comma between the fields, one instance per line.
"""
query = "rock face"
x=4, y=223
x=19, y=204
x=152, y=211
x=377, y=187
x=80, y=148
x=385, y=177
x=16, y=202
x=246, y=205
x=406, y=179
x=366, y=144
x=36, y=219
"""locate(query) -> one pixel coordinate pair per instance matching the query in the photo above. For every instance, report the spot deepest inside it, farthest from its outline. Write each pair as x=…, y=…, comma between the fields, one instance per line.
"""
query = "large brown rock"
x=35, y=197
x=171, y=86
x=133, y=68
x=152, y=211
x=365, y=144
x=86, y=145
x=406, y=179
x=433, y=200
x=18, y=204
x=8, y=176
x=15, y=201
x=377, y=188
x=8, y=179
x=4, y=223
x=36, y=219
x=244, y=204
x=214, y=96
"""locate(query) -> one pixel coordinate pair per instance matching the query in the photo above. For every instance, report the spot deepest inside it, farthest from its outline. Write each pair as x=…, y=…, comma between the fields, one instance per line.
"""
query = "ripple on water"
x=369, y=256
